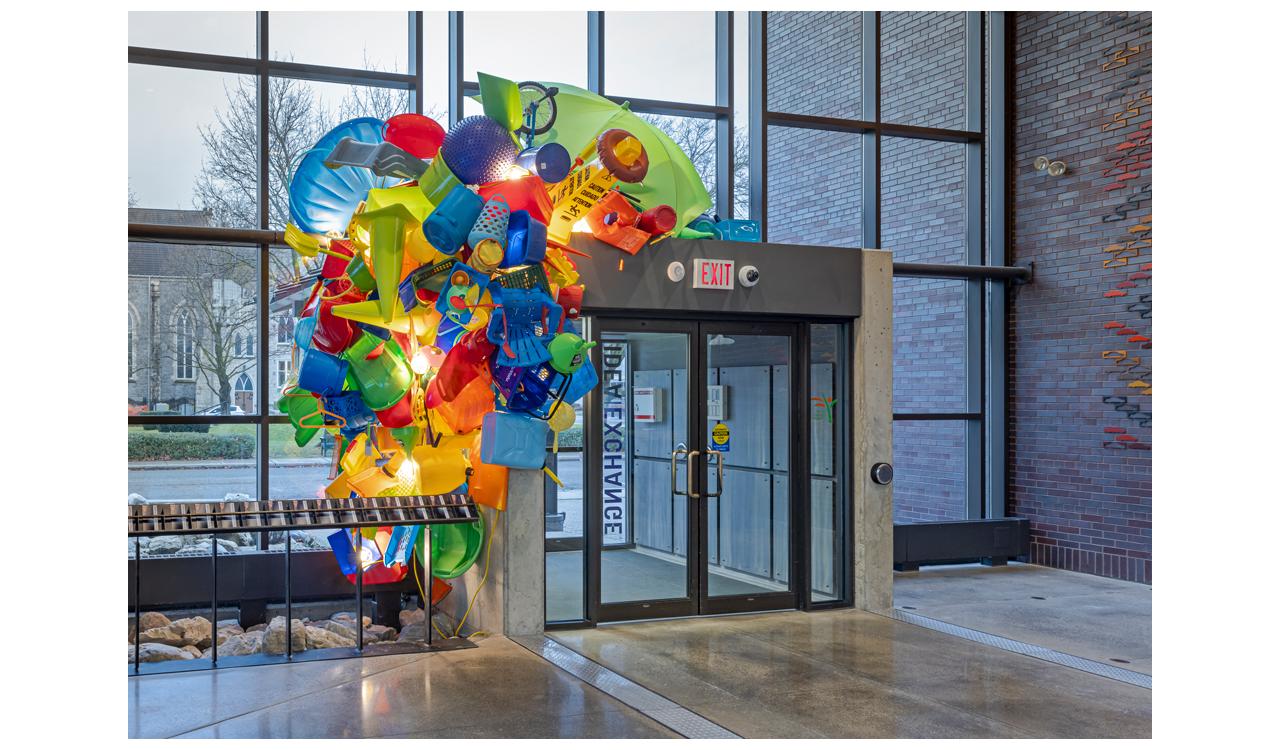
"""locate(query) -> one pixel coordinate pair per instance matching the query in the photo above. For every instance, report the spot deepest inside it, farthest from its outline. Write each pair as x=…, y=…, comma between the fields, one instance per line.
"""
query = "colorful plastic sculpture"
x=437, y=345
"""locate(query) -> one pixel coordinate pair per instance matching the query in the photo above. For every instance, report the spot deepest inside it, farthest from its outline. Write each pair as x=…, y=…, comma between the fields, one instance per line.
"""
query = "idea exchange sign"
x=616, y=455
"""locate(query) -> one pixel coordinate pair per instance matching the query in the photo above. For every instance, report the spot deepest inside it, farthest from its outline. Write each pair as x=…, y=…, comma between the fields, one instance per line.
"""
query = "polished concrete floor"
x=847, y=673
x=497, y=690
x=626, y=576
x=1096, y=618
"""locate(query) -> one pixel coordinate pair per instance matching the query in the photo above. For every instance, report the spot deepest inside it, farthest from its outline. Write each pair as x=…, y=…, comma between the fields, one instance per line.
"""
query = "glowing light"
x=516, y=172
x=419, y=363
x=582, y=226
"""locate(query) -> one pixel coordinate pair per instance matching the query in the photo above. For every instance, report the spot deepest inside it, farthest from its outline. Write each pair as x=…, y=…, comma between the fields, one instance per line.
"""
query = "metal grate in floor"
x=1026, y=649
x=672, y=715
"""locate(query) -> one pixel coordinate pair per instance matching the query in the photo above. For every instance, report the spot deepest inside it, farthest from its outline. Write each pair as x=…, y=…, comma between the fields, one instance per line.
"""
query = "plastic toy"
x=383, y=159
x=479, y=150
x=568, y=352
x=437, y=343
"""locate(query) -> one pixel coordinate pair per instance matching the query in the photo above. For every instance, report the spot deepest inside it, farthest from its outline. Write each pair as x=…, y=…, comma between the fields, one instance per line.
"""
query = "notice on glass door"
x=616, y=454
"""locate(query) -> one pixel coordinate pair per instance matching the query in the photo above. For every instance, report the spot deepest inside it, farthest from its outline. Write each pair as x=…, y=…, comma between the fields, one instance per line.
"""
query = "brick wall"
x=1079, y=337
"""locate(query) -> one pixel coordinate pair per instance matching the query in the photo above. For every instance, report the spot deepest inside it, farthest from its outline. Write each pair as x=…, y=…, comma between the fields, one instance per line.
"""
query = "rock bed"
x=162, y=639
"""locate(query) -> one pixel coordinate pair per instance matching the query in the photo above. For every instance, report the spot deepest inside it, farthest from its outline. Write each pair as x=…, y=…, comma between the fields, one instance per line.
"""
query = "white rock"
x=322, y=638
x=166, y=545
x=136, y=499
x=237, y=645
x=160, y=652
x=196, y=631
x=273, y=638
x=168, y=635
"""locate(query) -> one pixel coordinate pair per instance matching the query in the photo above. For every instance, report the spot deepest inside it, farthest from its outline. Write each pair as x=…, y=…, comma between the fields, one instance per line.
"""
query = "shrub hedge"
x=571, y=438
x=188, y=446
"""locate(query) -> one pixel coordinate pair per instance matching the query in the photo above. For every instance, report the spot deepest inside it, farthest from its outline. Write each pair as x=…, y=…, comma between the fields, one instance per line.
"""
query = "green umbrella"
x=582, y=115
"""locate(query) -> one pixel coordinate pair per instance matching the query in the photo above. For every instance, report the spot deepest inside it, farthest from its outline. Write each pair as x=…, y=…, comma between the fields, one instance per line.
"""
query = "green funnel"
x=386, y=244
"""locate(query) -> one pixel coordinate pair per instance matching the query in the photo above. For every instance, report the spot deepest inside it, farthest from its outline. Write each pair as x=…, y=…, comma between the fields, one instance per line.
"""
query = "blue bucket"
x=526, y=240
x=321, y=373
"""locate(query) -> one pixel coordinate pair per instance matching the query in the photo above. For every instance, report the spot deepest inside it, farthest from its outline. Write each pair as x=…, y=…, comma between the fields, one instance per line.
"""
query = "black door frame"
x=697, y=602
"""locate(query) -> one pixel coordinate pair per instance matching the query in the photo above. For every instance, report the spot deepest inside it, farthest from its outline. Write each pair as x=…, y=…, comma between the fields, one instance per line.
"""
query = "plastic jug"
x=513, y=440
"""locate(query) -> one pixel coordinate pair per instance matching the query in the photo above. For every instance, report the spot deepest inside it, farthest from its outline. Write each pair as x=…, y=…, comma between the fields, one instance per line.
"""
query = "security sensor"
x=675, y=271
x=749, y=276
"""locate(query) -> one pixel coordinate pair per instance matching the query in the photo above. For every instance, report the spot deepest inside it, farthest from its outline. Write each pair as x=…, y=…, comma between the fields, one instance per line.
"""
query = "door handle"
x=689, y=463
x=719, y=472
x=679, y=451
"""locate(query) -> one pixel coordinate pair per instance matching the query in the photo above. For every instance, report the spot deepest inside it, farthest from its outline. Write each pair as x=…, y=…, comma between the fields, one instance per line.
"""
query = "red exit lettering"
x=712, y=273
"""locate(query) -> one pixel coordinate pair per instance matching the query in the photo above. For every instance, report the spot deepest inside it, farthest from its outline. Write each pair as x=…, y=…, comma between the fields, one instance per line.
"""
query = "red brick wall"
x=1080, y=335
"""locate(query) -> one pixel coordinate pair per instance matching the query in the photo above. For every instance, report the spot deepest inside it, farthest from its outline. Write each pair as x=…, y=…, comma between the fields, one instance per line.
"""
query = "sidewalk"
x=227, y=463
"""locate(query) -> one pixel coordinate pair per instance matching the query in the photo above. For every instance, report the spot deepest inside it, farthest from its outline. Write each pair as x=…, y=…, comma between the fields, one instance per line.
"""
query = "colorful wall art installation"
x=440, y=344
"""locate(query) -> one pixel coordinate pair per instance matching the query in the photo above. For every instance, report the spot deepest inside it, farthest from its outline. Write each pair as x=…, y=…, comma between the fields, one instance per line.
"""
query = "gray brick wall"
x=1080, y=427
x=922, y=68
x=814, y=63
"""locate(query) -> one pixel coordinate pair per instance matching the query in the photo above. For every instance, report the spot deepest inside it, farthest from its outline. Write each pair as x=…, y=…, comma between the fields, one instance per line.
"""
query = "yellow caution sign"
x=574, y=197
x=720, y=437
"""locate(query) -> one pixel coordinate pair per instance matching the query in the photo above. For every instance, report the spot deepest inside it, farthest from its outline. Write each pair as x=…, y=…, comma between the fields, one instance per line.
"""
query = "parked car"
x=216, y=409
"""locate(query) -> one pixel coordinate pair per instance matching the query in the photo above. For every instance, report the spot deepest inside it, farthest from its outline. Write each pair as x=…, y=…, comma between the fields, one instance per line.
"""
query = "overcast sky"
x=648, y=55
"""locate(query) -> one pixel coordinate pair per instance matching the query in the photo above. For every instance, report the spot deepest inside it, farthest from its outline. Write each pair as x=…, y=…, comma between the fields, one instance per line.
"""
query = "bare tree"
x=217, y=295
x=697, y=138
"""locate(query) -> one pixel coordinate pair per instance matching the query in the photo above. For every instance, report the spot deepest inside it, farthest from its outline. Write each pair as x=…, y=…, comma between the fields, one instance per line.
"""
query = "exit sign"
x=712, y=273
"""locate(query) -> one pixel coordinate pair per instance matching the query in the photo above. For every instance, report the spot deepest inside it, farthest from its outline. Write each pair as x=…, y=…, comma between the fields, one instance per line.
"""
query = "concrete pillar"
x=511, y=602
x=872, y=439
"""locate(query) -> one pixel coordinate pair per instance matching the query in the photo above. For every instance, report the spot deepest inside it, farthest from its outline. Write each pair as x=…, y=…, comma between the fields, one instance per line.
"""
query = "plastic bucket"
x=455, y=547
x=321, y=373
x=526, y=240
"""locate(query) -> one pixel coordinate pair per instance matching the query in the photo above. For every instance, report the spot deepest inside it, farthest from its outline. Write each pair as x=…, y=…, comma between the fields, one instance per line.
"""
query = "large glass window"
x=873, y=138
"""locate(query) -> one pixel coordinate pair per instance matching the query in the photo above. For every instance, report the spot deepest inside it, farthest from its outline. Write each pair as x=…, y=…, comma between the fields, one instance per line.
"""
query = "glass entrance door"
x=748, y=415
x=692, y=482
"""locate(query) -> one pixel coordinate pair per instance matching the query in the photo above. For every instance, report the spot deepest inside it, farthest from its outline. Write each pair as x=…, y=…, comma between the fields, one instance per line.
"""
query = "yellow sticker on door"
x=720, y=437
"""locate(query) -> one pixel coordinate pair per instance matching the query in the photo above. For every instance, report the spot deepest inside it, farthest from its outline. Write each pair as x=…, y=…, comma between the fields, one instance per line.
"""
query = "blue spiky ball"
x=479, y=150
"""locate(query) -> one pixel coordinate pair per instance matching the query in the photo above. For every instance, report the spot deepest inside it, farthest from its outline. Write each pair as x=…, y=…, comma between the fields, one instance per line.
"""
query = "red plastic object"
x=528, y=193
x=333, y=334
x=464, y=362
x=657, y=220
x=379, y=573
x=440, y=588
x=418, y=134
x=570, y=298
x=399, y=414
x=335, y=266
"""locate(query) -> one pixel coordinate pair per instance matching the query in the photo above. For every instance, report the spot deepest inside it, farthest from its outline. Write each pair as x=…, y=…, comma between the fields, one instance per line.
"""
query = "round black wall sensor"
x=882, y=473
